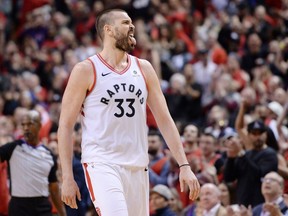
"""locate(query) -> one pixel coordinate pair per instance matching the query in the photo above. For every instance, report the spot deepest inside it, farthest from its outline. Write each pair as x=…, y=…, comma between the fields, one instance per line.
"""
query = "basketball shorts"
x=117, y=190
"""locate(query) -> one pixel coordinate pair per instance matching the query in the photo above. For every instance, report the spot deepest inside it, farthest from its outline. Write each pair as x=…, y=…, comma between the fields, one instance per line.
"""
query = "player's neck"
x=114, y=57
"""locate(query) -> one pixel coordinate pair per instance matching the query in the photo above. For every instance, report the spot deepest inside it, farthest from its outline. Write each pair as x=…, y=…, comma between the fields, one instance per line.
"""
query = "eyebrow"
x=126, y=20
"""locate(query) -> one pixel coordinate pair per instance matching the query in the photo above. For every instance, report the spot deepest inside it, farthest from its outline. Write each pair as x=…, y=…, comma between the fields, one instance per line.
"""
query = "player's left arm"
x=158, y=106
x=56, y=198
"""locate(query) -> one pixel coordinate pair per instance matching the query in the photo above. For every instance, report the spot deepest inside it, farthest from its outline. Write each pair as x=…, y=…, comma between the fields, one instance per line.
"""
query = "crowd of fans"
x=222, y=65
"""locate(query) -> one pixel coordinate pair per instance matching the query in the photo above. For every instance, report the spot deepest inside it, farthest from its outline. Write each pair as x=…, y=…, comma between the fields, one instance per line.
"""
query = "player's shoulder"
x=145, y=65
x=146, y=68
x=84, y=65
x=83, y=71
x=143, y=62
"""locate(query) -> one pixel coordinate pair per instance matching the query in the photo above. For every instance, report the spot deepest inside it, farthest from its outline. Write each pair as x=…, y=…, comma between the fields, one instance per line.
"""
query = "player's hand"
x=186, y=176
x=69, y=191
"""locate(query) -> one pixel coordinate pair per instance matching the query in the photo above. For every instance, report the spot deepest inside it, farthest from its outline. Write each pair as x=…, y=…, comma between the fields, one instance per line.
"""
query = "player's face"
x=124, y=33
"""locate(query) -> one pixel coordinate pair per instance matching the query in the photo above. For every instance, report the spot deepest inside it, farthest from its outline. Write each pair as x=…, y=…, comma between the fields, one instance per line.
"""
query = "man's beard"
x=258, y=144
x=152, y=152
x=122, y=43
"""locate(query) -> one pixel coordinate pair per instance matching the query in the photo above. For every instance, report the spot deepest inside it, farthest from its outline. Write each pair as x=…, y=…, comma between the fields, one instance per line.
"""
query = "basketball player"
x=110, y=90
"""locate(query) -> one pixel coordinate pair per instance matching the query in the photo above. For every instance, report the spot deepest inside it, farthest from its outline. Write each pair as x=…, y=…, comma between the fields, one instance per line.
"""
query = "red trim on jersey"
x=138, y=63
x=82, y=112
x=94, y=80
x=111, y=68
x=90, y=188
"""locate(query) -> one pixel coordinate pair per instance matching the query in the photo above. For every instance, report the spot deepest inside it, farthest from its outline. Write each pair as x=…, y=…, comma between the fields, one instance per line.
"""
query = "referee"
x=32, y=172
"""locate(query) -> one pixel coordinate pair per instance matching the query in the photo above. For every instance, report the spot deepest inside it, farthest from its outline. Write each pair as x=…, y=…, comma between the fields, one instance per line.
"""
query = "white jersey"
x=113, y=116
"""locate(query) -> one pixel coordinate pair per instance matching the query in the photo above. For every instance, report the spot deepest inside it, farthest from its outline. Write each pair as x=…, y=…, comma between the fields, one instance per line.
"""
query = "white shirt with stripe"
x=31, y=168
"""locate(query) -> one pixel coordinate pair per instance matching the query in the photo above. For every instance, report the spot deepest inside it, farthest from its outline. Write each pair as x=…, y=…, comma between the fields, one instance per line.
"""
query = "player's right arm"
x=80, y=81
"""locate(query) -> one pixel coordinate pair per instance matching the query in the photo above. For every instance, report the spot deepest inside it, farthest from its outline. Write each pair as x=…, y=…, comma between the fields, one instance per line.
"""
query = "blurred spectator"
x=212, y=162
x=239, y=76
x=248, y=167
x=274, y=111
x=272, y=190
x=190, y=142
x=218, y=121
x=274, y=83
x=159, y=166
x=218, y=54
x=283, y=138
x=248, y=101
x=254, y=51
x=224, y=93
x=160, y=196
x=204, y=71
x=262, y=24
x=276, y=61
x=225, y=196
x=279, y=96
x=175, y=202
x=175, y=97
x=194, y=93
x=209, y=204
x=271, y=140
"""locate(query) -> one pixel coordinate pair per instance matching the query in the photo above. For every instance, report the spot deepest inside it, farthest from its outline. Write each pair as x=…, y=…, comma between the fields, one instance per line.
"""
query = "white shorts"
x=116, y=190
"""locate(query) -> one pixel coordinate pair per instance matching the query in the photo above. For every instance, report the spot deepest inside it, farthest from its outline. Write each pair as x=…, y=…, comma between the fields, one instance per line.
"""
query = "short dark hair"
x=154, y=132
x=103, y=18
x=209, y=134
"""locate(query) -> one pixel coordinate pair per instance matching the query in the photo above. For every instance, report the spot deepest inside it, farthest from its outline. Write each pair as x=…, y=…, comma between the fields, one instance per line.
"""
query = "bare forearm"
x=65, y=147
x=172, y=138
x=239, y=123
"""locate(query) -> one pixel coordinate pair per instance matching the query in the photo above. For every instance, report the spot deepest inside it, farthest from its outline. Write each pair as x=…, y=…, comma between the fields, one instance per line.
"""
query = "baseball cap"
x=256, y=125
x=229, y=134
x=275, y=107
x=259, y=62
x=163, y=191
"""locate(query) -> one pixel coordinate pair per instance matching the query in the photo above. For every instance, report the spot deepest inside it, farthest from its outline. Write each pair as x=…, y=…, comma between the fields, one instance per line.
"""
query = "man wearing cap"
x=159, y=200
x=248, y=167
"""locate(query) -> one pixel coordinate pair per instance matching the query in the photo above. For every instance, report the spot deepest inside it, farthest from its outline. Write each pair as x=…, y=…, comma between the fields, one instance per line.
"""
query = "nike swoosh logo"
x=106, y=74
